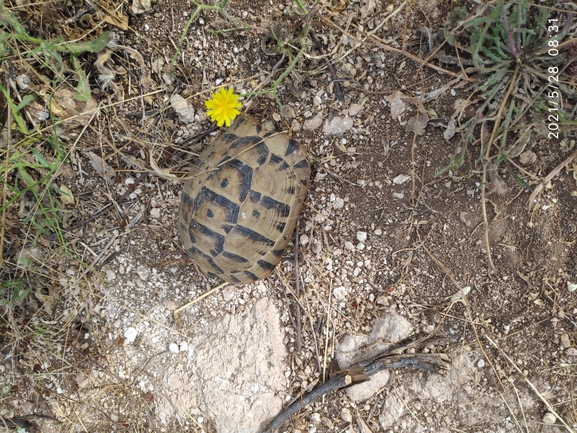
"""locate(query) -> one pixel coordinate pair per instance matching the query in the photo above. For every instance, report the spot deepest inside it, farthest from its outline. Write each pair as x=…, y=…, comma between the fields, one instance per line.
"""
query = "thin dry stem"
x=5, y=183
x=485, y=221
x=327, y=333
x=533, y=387
x=200, y=298
x=463, y=300
x=550, y=176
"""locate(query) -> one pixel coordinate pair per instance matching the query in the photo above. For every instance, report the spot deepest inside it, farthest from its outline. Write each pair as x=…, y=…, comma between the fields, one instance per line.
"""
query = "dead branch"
x=358, y=373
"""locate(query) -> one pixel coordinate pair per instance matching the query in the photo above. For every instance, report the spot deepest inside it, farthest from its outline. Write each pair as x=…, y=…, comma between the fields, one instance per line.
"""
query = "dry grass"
x=51, y=333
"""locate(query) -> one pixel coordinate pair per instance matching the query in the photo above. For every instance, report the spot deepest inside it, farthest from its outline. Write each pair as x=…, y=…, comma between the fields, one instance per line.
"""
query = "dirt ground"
x=381, y=233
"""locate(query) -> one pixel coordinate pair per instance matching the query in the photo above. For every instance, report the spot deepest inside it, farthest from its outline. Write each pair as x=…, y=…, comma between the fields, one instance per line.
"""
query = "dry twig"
x=361, y=372
x=550, y=176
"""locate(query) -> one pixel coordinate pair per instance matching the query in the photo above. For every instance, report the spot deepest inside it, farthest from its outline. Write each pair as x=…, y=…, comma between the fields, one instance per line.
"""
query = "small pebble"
x=143, y=273
x=130, y=335
x=338, y=125
x=184, y=110
x=349, y=245
x=361, y=236
x=401, y=179
x=549, y=418
x=340, y=293
x=313, y=123
x=173, y=347
x=346, y=415
x=295, y=125
x=354, y=109
x=481, y=363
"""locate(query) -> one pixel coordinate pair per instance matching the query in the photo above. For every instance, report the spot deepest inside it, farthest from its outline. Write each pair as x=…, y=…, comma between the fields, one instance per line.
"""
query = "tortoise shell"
x=240, y=205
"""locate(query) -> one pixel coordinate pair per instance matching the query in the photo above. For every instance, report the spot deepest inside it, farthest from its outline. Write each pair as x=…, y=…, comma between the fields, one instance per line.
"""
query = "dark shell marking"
x=241, y=203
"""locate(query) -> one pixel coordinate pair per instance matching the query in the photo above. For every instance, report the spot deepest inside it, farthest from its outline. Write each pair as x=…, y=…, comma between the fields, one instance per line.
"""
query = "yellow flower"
x=223, y=106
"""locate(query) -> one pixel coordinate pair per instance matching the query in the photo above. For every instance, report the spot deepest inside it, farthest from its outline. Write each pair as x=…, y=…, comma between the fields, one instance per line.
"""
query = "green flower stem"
x=301, y=6
x=193, y=17
x=278, y=81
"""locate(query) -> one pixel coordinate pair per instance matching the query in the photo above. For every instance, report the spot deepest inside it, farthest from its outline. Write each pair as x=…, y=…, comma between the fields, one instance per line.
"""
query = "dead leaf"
x=101, y=167
x=66, y=195
x=528, y=157
x=397, y=104
x=156, y=65
x=520, y=144
x=117, y=20
x=367, y=8
x=450, y=131
x=417, y=124
x=75, y=113
x=139, y=7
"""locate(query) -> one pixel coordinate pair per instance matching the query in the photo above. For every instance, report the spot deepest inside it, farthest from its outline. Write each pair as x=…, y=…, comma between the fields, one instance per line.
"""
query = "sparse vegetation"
x=80, y=115
x=519, y=51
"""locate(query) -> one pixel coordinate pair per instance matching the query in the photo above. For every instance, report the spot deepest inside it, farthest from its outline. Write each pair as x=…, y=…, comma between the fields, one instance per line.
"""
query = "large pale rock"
x=389, y=329
x=241, y=370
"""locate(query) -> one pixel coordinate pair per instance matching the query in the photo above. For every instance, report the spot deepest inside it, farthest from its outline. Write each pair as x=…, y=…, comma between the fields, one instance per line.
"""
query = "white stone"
x=401, y=178
x=143, y=273
x=314, y=122
x=340, y=293
x=549, y=418
x=390, y=328
x=361, y=236
x=393, y=409
x=338, y=125
x=130, y=335
x=354, y=109
x=183, y=109
x=346, y=415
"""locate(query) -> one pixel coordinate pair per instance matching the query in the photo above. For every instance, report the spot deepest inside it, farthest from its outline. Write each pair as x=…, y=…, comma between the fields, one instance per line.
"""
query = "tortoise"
x=241, y=202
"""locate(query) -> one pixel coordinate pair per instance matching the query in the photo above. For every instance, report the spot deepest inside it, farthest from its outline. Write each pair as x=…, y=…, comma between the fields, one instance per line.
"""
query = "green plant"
x=15, y=39
x=16, y=291
x=31, y=162
x=518, y=51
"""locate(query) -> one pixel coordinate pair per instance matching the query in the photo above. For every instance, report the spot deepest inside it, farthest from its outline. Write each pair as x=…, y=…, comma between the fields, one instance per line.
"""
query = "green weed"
x=30, y=205
x=15, y=290
x=518, y=50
